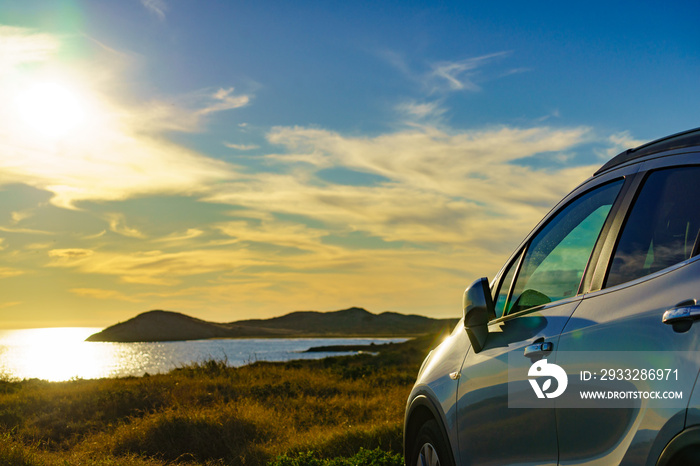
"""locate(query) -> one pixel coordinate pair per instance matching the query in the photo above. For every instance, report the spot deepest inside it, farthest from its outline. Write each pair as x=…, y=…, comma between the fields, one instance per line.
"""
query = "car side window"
x=556, y=256
x=662, y=227
x=501, y=297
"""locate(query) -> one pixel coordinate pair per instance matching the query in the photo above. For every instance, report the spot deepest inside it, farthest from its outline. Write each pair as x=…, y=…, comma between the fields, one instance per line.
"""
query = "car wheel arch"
x=421, y=410
x=679, y=445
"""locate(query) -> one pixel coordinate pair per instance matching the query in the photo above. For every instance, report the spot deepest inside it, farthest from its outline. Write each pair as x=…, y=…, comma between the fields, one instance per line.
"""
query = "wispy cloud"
x=10, y=304
x=460, y=75
x=97, y=293
x=275, y=232
x=21, y=45
x=185, y=113
x=157, y=7
x=117, y=224
x=241, y=146
x=422, y=110
x=176, y=237
x=38, y=246
x=447, y=76
x=30, y=231
x=70, y=253
x=224, y=99
x=6, y=272
x=619, y=142
x=154, y=267
x=444, y=187
x=17, y=217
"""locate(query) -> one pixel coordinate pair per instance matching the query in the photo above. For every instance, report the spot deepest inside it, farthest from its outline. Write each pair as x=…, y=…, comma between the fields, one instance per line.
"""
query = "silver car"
x=582, y=349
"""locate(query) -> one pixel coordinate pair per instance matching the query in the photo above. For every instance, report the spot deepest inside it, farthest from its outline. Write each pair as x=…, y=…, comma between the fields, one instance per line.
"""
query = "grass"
x=332, y=412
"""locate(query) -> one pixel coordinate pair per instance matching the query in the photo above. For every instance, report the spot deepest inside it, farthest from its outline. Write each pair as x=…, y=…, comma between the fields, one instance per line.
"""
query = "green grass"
x=335, y=411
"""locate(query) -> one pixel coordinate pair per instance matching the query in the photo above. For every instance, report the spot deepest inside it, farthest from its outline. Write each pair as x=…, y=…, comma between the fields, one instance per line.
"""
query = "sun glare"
x=50, y=109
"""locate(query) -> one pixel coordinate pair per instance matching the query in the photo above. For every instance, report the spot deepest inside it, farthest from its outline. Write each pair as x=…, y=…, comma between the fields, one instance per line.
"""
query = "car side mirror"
x=478, y=310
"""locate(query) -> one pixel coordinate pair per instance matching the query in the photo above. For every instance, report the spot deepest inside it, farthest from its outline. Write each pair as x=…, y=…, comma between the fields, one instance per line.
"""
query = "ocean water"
x=58, y=354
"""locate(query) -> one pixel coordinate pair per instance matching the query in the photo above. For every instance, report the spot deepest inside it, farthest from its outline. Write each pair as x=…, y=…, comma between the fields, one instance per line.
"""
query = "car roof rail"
x=675, y=141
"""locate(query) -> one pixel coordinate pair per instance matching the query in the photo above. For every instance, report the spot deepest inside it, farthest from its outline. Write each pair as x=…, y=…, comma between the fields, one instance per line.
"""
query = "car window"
x=501, y=295
x=556, y=257
x=662, y=227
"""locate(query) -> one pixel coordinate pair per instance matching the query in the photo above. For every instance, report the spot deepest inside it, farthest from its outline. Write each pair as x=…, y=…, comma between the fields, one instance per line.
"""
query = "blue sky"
x=233, y=160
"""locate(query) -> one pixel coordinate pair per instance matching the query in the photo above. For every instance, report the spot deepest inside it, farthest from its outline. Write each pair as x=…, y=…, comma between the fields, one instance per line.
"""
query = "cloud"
x=191, y=233
x=21, y=45
x=96, y=235
x=17, y=217
x=460, y=75
x=157, y=7
x=38, y=246
x=619, y=142
x=6, y=272
x=224, y=99
x=183, y=113
x=98, y=293
x=154, y=267
x=447, y=161
x=25, y=230
x=271, y=231
x=117, y=224
x=444, y=77
x=445, y=188
x=72, y=253
x=241, y=146
x=423, y=110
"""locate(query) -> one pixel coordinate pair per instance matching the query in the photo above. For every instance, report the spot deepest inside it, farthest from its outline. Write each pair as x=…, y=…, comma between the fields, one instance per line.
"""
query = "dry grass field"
x=335, y=411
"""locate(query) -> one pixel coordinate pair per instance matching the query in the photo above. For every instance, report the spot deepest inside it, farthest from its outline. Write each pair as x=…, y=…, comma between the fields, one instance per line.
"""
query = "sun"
x=50, y=109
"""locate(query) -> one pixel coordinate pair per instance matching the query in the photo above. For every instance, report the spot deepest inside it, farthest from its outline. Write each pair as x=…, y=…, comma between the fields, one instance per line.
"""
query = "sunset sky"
x=235, y=160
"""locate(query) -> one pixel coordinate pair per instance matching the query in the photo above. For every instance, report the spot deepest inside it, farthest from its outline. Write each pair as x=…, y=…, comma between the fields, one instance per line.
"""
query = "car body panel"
x=485, y=422
x=627, y=318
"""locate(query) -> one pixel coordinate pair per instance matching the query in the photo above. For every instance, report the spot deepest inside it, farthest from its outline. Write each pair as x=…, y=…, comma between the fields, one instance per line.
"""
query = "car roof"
x=675, y=141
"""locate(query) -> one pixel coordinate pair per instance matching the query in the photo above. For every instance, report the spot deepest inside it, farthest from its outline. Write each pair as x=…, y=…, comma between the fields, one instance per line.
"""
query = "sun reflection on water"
x=54, y=354
x=58, y=354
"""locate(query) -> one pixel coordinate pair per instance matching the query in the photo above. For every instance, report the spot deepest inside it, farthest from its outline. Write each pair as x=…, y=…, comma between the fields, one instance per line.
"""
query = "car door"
x=538, y=292
x=653, y=267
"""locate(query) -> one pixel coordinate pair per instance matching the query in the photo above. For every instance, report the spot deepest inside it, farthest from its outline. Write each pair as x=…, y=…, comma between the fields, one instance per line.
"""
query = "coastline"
x=51, y=355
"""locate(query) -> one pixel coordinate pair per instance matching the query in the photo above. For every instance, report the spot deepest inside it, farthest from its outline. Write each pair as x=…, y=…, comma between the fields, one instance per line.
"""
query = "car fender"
x=423, y=407
x=435, y=393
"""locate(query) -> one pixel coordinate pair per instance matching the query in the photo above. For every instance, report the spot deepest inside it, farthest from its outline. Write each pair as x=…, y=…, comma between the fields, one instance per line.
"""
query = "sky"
x=234, y=160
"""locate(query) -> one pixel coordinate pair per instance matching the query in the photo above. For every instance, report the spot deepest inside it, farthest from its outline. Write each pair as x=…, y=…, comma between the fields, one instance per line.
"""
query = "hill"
x=173, y=326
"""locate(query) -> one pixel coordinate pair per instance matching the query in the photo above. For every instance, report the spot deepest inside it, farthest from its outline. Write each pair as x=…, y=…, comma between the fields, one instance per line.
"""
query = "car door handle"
x=539, y=349
x=685, y=312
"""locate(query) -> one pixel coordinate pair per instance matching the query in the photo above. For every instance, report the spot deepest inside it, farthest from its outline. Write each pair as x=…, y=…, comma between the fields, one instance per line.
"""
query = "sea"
x=59, y=354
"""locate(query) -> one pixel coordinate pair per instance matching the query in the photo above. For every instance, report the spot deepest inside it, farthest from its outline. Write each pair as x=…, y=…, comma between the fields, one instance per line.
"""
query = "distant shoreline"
x=310, y=336
x=371, y=348
x=161, y=326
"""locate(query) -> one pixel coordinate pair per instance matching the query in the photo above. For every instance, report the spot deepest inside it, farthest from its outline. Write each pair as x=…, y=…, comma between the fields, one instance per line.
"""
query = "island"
x=160, y=325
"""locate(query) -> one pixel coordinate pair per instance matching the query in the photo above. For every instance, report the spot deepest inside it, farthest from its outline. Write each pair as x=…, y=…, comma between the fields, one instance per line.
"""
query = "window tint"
x=557, y=256
x=662, y=227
